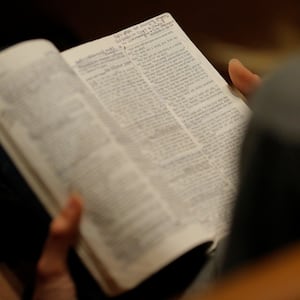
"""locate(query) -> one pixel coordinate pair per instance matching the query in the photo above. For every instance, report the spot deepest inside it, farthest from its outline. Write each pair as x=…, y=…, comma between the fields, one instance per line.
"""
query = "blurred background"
x=260, y=33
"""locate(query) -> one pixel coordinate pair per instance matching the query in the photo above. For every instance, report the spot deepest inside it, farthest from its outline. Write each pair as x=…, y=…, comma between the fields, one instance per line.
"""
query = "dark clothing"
x=267, y=211
x=266, y=215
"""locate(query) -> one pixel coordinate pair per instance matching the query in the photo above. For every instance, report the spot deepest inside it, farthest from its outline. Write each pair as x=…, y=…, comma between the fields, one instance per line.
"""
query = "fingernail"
x=74, y=201
x=234, y=60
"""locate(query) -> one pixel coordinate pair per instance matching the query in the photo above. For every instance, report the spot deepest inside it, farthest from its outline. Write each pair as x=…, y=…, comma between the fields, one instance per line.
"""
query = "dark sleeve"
x=23, y=229
x=267, y=210
x=23, y=222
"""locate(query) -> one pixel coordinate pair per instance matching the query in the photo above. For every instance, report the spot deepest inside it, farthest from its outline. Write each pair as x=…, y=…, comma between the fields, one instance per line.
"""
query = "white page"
x=176, y=109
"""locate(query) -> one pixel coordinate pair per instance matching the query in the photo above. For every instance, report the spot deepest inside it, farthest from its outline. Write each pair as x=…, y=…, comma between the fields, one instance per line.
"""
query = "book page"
x=134, y=223
x=177, y=111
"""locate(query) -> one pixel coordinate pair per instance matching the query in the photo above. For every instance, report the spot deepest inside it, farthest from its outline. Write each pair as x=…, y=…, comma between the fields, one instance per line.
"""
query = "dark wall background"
x=259, y=32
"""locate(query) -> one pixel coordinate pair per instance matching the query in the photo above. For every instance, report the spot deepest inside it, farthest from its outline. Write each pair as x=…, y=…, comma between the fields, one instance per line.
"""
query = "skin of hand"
x=242, y=78
x=53, y=278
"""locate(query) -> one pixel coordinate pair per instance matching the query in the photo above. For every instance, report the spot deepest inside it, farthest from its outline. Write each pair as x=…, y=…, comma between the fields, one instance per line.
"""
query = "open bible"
x=142, y=127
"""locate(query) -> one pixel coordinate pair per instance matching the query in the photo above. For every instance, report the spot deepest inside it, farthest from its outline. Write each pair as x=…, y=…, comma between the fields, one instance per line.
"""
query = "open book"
x=138, y=123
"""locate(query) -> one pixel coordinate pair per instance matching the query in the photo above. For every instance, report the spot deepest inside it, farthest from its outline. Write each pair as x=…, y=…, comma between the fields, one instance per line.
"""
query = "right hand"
x=242, y=78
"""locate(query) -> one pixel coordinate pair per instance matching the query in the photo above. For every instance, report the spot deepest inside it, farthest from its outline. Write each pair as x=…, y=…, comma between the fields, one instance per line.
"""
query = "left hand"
x=53, y=278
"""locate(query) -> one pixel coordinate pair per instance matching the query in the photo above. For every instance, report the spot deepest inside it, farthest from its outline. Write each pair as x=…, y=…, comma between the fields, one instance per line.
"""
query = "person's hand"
x=53, y=278
x=242, y=78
